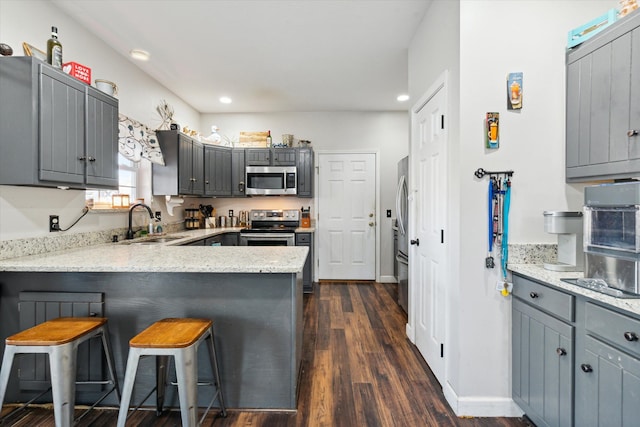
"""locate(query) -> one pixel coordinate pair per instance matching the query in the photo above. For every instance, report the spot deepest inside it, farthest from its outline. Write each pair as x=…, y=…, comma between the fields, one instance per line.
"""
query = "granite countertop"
x=538, y=272
x=130, y=256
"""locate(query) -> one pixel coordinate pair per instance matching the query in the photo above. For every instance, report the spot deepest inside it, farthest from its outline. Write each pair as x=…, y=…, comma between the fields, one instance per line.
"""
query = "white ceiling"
x=267, y=55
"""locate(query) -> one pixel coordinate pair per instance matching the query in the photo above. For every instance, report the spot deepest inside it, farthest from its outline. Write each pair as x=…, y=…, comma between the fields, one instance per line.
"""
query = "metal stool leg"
x=211, y=345
x=7, y=362
x=127, y=389
x=187, y=374
x=108, y=353
x=62, y=359
x=162, y=373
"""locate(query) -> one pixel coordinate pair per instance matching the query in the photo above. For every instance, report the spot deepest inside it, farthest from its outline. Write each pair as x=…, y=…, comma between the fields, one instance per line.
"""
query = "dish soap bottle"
x=54, y=49
x=268, y=138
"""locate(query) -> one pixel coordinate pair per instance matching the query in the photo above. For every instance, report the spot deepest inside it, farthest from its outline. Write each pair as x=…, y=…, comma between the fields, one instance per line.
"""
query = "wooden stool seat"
x=171, y=333
x=57, y=331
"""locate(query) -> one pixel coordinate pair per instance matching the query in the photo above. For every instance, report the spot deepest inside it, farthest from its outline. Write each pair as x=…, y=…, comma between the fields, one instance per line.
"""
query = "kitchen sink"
x=154, y=240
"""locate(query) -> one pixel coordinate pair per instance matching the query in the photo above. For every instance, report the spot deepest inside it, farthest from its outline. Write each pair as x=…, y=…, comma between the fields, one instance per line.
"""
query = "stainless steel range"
x=271, y=228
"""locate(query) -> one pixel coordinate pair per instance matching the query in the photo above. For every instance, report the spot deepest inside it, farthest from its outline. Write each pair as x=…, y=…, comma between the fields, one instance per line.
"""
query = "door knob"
x=370, y=215
x=632, y=132
x=415, y=242
x=561, y=351
x=586, y=368
x=630, y=336
x=371, y=224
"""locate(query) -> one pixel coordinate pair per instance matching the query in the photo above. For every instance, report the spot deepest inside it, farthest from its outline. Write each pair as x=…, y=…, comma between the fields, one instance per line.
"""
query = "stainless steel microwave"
x=270, y=180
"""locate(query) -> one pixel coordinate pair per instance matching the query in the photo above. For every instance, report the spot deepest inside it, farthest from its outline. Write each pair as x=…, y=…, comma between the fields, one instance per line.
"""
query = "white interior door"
x=347, y=216
x=427, y=254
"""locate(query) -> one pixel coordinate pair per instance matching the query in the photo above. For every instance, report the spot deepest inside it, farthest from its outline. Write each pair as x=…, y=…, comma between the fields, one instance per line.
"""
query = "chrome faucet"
x=129, y=230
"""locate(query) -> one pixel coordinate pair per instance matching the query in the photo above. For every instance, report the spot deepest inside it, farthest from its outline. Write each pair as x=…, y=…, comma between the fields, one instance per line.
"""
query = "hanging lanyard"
x=490, y=228
x=505, y=227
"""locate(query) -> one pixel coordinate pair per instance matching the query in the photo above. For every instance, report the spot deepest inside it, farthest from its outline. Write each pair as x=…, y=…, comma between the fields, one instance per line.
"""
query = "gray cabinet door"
x=305, y=172
x=237, y=172
x=190, y=166
x=607, y=386
x=283, y=156
x=542, y=352
x=258, y=156
x=62, y=128
x=198, y=168
x=217, y=171
x=102, y=139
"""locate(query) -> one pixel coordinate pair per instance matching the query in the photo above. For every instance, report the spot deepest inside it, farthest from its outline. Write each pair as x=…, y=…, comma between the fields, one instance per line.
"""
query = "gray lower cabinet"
x=305, y=172
x=54, y=129
x=237, y=173
x=183, y=171
x=225, y=239
x=608, y=369
x=576, y=362
x=542, y=354
x=306, y=239
x=603, y=117
x=217, y=171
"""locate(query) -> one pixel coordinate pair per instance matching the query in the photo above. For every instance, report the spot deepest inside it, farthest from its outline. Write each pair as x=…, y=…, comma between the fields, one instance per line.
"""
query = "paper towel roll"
x=172, y=202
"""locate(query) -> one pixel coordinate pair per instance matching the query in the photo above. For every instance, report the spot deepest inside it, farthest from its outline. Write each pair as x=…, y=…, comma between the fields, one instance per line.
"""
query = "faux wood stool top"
x=171, y=333
x=58, y=331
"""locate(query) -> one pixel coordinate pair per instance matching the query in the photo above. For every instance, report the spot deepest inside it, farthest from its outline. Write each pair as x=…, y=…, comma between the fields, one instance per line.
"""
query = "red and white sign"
x=78, y=71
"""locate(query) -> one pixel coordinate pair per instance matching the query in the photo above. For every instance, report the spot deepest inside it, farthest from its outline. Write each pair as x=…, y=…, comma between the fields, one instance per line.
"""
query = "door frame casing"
x=316, y=202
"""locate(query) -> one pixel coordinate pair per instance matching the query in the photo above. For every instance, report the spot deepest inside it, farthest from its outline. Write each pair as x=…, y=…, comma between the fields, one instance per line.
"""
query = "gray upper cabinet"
x=603, y=116
x=183, y=171
x=305, y=172
x=217, y=171
x=54, y=129
x=270, y=156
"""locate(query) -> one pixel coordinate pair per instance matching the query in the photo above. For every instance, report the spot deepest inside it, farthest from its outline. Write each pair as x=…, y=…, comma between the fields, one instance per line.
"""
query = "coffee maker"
x=568, y=227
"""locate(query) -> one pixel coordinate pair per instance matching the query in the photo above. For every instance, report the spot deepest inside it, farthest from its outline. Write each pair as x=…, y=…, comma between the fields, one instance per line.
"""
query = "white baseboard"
x=388, y=279
x=481, y=406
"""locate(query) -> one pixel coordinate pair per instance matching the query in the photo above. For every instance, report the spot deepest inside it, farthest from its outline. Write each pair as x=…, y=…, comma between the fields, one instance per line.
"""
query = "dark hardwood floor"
x=358, y=369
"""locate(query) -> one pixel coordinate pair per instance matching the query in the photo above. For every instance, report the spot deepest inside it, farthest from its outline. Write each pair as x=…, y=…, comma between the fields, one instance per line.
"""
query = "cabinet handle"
x=415, y=242
x=631, y=336
x=92, y=159
x=533, y=295
x=632, y=132
x=561, y=351
x=241, y=187
x=207, y=182
x=586, y=368
x=82, y=158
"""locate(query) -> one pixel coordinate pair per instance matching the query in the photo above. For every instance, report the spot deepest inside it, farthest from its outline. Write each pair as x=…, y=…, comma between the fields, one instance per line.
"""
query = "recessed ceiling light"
x=225, y=100
x=402, y=98
x=140, y=55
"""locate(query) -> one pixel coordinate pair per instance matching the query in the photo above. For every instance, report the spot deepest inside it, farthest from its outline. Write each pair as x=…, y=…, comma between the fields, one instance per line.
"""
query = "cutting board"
x=252, y=139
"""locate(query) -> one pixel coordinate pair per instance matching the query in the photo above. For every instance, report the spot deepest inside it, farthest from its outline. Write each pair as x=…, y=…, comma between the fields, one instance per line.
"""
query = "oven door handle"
x=268, y=236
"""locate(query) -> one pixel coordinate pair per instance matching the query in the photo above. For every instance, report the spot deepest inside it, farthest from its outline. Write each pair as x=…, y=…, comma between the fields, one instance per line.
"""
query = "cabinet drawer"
x=303, y=238
x=551, y=300
x=620, y=330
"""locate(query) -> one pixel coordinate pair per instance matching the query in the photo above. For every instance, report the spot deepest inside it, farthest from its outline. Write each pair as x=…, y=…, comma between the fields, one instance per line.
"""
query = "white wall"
x=386, y=132
x=495, y=38
x=24, y=212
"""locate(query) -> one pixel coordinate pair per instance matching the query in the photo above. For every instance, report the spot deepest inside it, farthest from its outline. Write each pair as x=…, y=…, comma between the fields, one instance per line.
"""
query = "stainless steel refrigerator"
x=402, y=224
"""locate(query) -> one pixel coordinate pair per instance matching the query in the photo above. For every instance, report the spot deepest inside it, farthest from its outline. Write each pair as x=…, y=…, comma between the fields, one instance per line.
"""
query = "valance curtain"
x=136, y=141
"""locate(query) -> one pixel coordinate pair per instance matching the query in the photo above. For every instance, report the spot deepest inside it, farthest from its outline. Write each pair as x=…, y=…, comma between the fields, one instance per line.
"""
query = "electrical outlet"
x=54, y=223
x=388, y=213
x=159, y=215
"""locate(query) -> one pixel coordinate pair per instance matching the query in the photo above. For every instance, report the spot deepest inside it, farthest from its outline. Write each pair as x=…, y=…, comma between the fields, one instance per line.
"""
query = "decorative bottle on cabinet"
x=268, y=138
x=54, y=49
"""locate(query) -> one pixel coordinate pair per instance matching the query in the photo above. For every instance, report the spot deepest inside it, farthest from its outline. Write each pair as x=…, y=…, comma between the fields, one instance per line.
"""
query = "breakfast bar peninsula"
x=253, y=295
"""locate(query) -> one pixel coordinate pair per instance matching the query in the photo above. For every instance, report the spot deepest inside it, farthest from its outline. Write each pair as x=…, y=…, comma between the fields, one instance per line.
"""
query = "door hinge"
x=442, y=121
x=441, y=350
x=441, y=236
